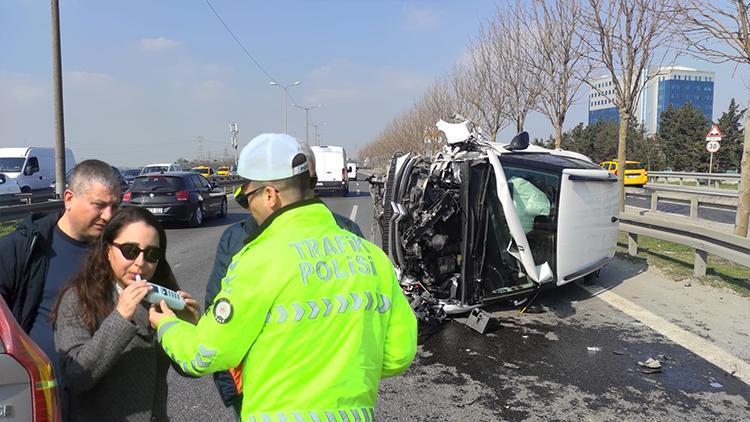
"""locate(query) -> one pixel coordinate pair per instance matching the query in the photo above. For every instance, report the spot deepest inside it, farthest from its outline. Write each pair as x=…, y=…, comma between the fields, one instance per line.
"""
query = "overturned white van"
x=482, y=221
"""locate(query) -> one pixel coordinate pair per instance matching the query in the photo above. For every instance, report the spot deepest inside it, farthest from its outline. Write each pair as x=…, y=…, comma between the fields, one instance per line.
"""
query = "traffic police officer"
x=311, y=315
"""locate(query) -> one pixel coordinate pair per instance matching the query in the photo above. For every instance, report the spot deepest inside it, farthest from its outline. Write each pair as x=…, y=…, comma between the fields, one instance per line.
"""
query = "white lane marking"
x=690, y=341
x=353, y=215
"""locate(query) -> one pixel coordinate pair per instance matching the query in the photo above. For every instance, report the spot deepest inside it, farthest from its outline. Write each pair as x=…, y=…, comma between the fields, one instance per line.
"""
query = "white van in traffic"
x=33, y=168
x=351, y=168
x=330, y=165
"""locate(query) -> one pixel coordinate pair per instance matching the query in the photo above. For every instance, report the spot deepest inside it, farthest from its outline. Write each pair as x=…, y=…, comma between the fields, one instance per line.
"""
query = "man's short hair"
x=93, y=171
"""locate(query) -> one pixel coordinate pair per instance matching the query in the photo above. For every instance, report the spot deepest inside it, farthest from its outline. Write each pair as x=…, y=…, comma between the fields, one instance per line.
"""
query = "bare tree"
x=719, y=32
x=480, y=93
x=626, y=37
x=509, y=41
x=554, y=26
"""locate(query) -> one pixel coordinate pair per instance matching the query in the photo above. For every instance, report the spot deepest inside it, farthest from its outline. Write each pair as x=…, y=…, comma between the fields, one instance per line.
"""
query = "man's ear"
x=68, y=196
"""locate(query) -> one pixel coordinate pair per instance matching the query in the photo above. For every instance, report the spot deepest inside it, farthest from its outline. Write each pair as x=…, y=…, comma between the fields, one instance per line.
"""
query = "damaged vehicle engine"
x=481, y=221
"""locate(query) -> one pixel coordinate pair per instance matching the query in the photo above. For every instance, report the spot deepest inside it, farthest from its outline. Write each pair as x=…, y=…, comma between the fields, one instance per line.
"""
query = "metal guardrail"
x=15, y=212
x=682, y=176
x=694, y=198
x=702, y=239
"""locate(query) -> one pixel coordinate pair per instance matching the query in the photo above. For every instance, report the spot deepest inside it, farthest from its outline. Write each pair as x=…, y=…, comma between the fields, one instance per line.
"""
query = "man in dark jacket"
x=232, y=240
x=45, y=251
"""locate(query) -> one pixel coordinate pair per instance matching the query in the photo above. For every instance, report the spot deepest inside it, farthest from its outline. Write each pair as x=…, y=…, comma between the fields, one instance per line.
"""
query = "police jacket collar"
x=279, y=212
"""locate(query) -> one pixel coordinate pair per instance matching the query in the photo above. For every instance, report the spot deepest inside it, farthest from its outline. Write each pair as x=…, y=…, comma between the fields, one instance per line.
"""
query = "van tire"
x=25, y=189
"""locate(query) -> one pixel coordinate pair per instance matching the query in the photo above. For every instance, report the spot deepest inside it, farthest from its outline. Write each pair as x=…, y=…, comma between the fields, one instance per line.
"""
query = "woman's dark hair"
x=94, y=283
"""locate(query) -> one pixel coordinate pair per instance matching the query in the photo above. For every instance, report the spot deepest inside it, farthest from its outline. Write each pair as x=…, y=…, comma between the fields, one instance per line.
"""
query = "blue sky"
x=144, y=79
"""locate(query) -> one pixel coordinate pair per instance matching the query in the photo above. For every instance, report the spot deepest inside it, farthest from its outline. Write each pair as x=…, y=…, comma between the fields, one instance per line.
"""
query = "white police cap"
x=270, y=156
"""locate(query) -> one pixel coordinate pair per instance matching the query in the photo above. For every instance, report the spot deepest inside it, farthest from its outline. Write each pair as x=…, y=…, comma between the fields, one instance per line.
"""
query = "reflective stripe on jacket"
x=314, y=314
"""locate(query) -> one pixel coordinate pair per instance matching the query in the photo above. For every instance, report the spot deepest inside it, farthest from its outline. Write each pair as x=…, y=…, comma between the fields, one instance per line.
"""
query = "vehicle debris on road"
x=650, y=366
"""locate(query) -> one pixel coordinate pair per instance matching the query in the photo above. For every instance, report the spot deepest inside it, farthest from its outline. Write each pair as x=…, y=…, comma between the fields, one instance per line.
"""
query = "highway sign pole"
x=713, y=144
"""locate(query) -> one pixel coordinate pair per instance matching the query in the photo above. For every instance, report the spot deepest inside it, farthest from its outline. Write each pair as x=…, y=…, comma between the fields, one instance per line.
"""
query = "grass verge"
x=676, y=262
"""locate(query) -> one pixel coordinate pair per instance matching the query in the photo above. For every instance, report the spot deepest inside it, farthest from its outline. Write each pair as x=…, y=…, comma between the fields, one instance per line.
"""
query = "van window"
x=32, y=166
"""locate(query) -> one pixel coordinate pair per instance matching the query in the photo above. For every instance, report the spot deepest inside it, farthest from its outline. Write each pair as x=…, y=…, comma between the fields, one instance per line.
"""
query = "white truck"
x=330, y=166
x=33, y=168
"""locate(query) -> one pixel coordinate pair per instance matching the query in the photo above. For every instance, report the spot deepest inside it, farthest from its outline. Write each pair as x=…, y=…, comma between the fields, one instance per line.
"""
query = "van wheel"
x=345, y=192
x=25, y=189
x=197, y=219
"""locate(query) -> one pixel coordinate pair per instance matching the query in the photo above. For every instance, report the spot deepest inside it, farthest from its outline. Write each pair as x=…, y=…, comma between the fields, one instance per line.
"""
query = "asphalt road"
x=533, y=366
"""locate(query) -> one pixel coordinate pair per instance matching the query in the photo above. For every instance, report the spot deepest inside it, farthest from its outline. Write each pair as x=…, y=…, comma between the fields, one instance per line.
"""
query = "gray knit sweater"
x=118, y=373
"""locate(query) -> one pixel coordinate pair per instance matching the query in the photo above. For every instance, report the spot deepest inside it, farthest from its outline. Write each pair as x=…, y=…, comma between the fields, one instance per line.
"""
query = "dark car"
x=177, y=196
x=131, y=174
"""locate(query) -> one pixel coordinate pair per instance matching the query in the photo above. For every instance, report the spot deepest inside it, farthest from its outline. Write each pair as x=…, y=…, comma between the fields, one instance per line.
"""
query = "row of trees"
x=537, y=55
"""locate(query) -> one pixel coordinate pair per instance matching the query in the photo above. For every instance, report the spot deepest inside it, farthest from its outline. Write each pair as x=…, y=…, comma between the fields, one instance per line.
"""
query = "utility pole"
x=234, y=129
x=57, y=92
x=307, y=121
x=199, y=140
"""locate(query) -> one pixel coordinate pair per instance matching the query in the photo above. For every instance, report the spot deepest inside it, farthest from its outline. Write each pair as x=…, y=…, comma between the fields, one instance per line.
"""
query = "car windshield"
x=156, y=183
x=633, y=166
x=201, y=171
x=131, y=172
x=11, y=164
x=155, y=169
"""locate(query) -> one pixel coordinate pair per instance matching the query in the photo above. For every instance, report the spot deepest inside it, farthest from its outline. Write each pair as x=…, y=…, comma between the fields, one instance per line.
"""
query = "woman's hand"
x=131, y=297
x=191, y=313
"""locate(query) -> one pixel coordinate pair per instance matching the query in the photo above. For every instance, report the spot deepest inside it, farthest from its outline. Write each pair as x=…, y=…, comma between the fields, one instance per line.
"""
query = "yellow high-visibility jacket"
x=312, y=314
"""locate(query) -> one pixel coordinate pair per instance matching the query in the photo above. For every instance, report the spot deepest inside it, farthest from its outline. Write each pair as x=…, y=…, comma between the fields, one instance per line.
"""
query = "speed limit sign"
x=713, y=146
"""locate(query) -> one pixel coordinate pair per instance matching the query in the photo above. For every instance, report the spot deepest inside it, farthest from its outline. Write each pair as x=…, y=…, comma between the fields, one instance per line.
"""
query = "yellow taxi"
x=222, y=171
x=635, y=173
x=204, y=171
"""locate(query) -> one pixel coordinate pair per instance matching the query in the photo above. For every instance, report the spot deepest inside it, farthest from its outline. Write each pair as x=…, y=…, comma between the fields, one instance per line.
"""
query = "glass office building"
x=675, y=85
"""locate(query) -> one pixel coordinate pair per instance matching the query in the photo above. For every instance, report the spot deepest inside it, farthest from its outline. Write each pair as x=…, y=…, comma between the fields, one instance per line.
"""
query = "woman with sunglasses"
x=112, y=365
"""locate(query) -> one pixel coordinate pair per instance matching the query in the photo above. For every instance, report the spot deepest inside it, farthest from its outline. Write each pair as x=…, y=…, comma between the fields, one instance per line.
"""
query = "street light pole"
x=57, y=90
x=307, y=120
x=286, y=95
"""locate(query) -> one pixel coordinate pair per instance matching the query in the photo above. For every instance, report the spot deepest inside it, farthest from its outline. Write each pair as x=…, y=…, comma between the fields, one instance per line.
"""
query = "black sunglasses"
x=131, y=251
x=244, y=198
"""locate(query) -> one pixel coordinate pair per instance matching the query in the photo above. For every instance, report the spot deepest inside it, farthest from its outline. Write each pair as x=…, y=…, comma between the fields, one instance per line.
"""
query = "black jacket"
x=24, y=258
